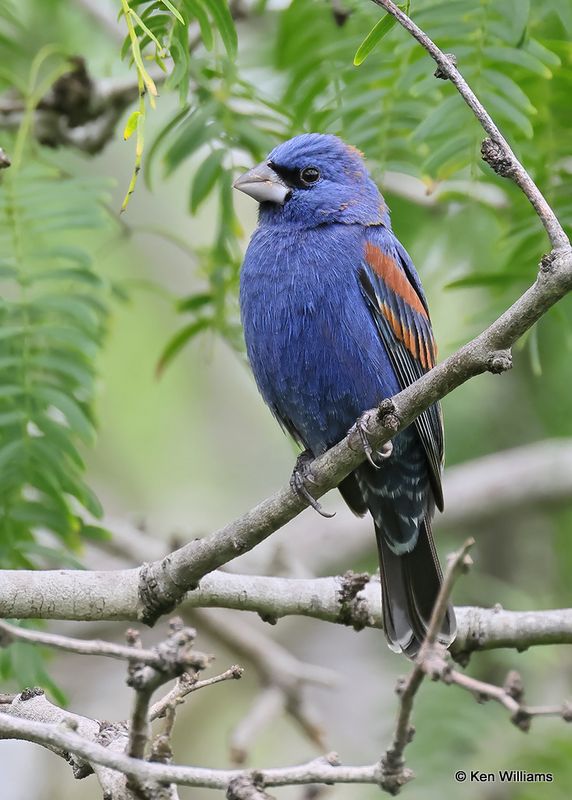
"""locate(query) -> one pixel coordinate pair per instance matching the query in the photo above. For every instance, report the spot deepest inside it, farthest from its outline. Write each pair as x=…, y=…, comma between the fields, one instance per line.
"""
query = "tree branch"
x=497, y=152
x=176, y=659
x=511, y=482
x=395, y=772
x=36, y=595
x=188, y=683
x=18, y=722
x=94, y=647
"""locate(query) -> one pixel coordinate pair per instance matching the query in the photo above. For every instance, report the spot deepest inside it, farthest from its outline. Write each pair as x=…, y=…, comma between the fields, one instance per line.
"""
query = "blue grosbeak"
x=335, y=320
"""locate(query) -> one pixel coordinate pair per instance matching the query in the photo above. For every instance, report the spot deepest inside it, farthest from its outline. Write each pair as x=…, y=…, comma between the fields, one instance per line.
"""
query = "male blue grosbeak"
x=335, y=320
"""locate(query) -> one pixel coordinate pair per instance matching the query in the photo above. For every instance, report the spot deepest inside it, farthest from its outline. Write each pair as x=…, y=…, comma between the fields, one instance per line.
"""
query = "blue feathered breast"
x=314, y=349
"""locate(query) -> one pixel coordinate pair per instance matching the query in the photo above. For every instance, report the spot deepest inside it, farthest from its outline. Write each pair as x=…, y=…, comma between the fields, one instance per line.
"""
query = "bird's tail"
x=409, y=587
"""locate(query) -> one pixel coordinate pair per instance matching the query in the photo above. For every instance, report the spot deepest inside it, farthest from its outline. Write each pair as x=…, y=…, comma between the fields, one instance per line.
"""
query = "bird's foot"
x=386, y=449
x=301, y=474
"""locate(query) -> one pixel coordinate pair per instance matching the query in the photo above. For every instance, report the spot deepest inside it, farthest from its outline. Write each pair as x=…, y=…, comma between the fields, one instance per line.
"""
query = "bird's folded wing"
x=393, y=292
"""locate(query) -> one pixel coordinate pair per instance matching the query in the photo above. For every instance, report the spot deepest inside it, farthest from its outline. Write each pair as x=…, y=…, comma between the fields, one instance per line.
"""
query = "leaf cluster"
x=378, y=92
x=53, y=313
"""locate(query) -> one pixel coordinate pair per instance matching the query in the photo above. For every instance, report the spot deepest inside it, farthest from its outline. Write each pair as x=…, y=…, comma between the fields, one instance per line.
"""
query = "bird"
x=335, y=320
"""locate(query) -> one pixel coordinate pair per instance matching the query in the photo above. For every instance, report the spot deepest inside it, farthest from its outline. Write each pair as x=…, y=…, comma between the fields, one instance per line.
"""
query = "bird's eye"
x=309, y=175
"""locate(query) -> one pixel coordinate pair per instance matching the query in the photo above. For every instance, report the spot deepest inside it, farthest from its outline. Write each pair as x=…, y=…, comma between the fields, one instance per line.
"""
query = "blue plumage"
x=315, y=353
x=335, y=320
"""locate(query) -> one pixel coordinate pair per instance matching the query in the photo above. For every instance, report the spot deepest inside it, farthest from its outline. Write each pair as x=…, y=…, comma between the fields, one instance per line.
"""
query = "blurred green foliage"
x=517, y=55
x=233, y=88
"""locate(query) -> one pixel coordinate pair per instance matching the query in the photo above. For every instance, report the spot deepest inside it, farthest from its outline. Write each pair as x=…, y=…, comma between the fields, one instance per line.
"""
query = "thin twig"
x=510, y=696
x=144, y=687
x=458, y=563
x=395, y=774
x=85, y=647
x=186, y=684
x=177, y=658
x=514, y=168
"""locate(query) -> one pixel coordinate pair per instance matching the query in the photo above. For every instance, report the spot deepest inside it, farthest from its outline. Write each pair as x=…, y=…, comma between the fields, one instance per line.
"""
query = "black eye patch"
x=296, y=178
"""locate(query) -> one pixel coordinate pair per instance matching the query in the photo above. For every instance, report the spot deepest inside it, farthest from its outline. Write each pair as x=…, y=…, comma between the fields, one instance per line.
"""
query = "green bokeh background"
x=195, y=448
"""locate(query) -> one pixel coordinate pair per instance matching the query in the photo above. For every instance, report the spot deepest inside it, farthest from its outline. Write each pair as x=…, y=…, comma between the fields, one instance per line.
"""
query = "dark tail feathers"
x=409, y=587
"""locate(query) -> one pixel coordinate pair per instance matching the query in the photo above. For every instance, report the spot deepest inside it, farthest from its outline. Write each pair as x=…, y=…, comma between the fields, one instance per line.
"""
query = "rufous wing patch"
x=393, y=276
x=410, y=325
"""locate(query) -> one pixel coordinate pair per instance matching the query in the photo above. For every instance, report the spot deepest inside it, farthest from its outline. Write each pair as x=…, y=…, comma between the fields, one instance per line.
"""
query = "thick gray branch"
x=23, y=595
x=33, y=711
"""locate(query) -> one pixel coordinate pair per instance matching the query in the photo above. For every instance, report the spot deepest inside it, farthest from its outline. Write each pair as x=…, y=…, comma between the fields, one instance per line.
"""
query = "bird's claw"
x=302, y=472
x=384, y=453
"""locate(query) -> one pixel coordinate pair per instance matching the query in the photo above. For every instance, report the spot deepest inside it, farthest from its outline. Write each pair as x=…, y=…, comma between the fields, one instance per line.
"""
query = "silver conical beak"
x=263, y=184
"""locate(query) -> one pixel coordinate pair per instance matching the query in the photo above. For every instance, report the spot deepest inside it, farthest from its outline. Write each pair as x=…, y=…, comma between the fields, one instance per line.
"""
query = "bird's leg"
x=386, y=449
x=303, y=472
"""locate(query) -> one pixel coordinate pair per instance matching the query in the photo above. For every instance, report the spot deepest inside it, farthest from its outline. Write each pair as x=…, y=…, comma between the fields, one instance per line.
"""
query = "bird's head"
x=314, y=179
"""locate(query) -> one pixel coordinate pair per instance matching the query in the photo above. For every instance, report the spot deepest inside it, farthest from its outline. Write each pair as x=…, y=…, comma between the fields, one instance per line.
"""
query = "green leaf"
x=195, y=302
x=196, y=10
x=510, y=89
x=225, y=24
x=67, y=336
x=12, y=418
x=498, y=105
x=205, y=179
x=13, y=331
x=501, y=279
x=441, y=118
x=58, y=437
x=131, y=124
x=9, y=451
x=57, y=556
x=520, y=58
x=68, y=274
x=193, y=133
x=173, y=10
x=96, y=533
x=176, y=344
x=376, y=34
x=180, y=73
x=88, y=499
x=72, y=411
x=11, y=391
x=76, y=255
x=159, y=139
x=545, y=55
x=441, y=154
x=80, y=375
x=82, y=309
x=146, y=30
